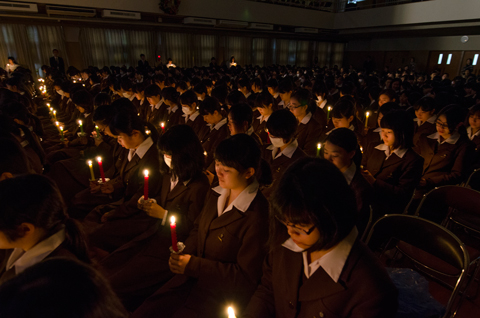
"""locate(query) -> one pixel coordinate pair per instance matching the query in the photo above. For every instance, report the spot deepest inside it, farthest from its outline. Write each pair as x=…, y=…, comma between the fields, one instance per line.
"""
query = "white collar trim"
x=242, y=202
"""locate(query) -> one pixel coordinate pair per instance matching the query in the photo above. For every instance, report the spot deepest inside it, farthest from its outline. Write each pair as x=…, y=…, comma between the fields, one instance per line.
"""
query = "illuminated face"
x=422, y=115
x=474, y=122
x=298, y=110
x=388, y=137
x=299, y=236
x=383, y=99
x=342, y=122
x=338, y=156
x=442, y=127
x=228, y=177
x=210, y=118
x=126, y=141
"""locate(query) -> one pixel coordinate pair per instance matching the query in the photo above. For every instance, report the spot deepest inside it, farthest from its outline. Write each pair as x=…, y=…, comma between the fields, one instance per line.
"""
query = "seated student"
x=95, y=85
x=35, y=226
x=155, y=114
x=201, y=91
x=393, y=168
x=112, y=225
x=448, y=153
x=59, y=287
x=257, y=85
x=142, y=103
x=13, y=159
x=264, y=105
x=282, y=128
x=344, y=115
x=240, y=119
x=189, y=102
x=235, y=97
x=386, y=96
x=173, y=114
x=473, y=131
x=213, y=116
x=309, y=130
x=181, y=87
x=374, y=135
x=319, y=92
x=221, y=93
x=245, y=87
x=182, y=193
x=222, y=261
x=425, y=121
x=272, y=86
x=341, y=149
x=317, y=265
x=285, y=90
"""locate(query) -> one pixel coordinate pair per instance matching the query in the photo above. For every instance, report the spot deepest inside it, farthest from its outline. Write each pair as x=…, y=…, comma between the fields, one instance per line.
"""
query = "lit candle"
x=145, y=187
x=48, y=104
x=205, y=153
x=57, y=123
x=98, y=131
x=328, y=113
x=162, y=124
x=173, y=228
x=319, y=146
x=90, y=165
x=361, y=149
x=147, y=132
x=81, y=126
x=61, y=134
x=231, y=312
x=55, y=114
x=367, y=114
x=102, y=174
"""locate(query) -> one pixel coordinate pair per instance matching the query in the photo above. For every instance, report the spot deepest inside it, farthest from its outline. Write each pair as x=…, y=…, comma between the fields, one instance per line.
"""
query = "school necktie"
x=131, y=153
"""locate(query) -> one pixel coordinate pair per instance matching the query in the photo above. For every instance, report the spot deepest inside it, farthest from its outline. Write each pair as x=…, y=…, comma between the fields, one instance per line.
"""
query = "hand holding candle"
x=173, y=228
x=145, y=188
x=90, y=165
x=102, y=174
x=367, y=114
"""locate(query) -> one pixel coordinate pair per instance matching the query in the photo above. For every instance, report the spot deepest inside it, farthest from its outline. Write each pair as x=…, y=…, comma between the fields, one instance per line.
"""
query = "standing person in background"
x=11, y=65
x=143, y=63
x=56, y=62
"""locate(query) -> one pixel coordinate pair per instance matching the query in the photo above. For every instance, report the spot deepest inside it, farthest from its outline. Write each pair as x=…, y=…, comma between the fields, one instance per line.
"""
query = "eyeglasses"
x=296, y=229
x=441, y=124
x=295, y=107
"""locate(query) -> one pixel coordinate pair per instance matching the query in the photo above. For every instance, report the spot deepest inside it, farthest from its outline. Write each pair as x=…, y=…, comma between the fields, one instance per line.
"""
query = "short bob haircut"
x=241, y=113
x=426, y=104
x=84, y=99
x=313, y=191
x=403, y=128
x=282, y=124
x=454, y=115
x=302, y=95
x=343, y=138
x=239, y=152
x=183, y=145
x=235, y=97
x=171, y=94
x=263, y=100
x=59, y=287
x=188, y=98
x=152, y=91
x=209, y=106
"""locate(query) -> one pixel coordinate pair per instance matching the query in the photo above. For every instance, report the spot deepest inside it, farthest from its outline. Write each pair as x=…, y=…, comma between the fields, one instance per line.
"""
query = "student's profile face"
x=299, y=236
x=388, y=137
x=126, y=141
x=271, y=90
x=297, y=109
x=423, y=115
x=231, y=126
x=10, y=61
x=285, y=96
x=228, y=177
x=442, y=126
x=383, y=99
x=342, y=122
x=337, y=155
x=209, y=118
x=474, y=121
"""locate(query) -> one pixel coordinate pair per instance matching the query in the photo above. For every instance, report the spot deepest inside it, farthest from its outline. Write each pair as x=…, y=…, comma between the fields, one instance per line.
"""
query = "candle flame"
x=61, y=128
x=57, y=123
x=162, y=124
x=329, y=108
x=361, y=149
x=54, y=112
x=89, y=162
x=319, y=146
x=145, y=172
x=368, y=114
x=99, y=159
x=205, y=153
x=172, y=220
x=231, y=312
x=80, y=122
x=48, y=104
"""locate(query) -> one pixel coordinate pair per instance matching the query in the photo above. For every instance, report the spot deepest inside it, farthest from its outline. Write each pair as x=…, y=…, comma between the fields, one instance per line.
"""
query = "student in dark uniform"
x=374, y=135
x=264, y=105
x=13, y=159
x=473, y=131
x=425, y=121
x=222, y=261
x=317, y=265
x=173, y=114
x=320, y=110
x=137, y=269
x=341, y=149
x=393, y=168
x=142, y=102
x=448, y=153
x=344, y=116
x=272, y=86
x=240, y=119
x=191, y=114
x=213, y=116
x=155, y=113
x=285, y=91
x=35, y=226
x=309, y=130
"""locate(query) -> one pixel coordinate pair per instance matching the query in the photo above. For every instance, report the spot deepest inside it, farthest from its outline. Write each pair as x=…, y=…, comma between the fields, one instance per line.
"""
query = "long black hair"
x=35, y=199
x=402, y=125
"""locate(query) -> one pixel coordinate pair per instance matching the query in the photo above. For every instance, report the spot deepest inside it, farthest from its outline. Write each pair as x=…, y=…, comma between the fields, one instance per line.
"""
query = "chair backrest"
x=437, y=203
x=423, y=234
x=473, y=181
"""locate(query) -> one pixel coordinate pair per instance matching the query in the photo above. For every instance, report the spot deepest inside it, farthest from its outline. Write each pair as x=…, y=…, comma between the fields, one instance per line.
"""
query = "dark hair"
x=390, y=93
x=273, y=83
x=84, y=99
x=402, y=125
x=319, y=88
x=13, y=158
x=182, y=85
x=152, y=91
x=241, y=113
x=140, y=87
x=235, y=97
x=239, y=152
x=126, y=120
x=126, y=85
x=344, y=108
x=426, y=104
x=102, y=99
x=455, y=116
x=209, y=106
x=35, y=199
x=220, y=93
x=57, y=288
x=188, y=98
x=282, y=124
x=388, y=107
x=285, y=86
x=263, y=100
x=171, y=94
x=313, y=191
x=200, y=88
x=302, y=95
x=183, y=145
x=244, y=82
x=344, y=138
x=473, y=111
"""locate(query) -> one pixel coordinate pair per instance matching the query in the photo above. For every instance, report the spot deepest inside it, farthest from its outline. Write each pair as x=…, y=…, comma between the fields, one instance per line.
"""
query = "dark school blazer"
x=476, y=160
x=225, y=267
x=308, y=136
x=396, y=178
x=364, y=195
x=363, y=290
x=425, y=129
x=198, y=125
x=212, y=139
x=261, y=130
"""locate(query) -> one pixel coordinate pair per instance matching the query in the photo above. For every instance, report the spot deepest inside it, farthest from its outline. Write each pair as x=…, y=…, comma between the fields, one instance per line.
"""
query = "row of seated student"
x=213, y=167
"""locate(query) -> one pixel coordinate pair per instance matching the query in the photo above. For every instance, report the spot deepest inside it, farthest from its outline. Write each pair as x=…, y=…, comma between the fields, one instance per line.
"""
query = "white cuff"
x=165, y=218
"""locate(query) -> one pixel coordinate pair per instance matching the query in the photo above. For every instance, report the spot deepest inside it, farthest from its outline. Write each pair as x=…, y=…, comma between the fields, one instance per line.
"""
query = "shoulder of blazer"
x=412, y=155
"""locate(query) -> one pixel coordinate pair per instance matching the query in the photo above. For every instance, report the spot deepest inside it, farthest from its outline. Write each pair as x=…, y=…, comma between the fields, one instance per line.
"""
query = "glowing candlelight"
x=162, y=124
x=81, y=126
x=57, y=123
x=145, y=187
x=90, y=165
x=61, y=133
x=367, y=114
x=173, y=229
x=100, y=165
x=319, y=146
x=328, y=113
x=55, y=114
x=231, y=312
x=98, y=131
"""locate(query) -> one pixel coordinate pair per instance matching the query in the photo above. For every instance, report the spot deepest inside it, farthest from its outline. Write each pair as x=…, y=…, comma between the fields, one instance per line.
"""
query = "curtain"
x=337, y=54
x=259, y=51
x=302, y=53
x=31, y=45
x=240, y=47
x=179, y=48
